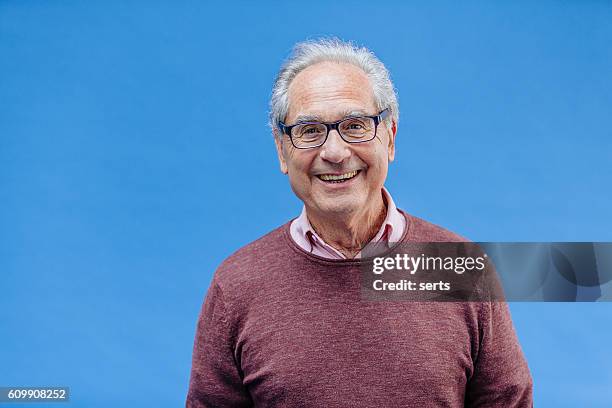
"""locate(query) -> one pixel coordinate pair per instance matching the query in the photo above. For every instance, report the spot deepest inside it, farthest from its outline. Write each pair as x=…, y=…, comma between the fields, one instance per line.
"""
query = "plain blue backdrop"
x=135, y=157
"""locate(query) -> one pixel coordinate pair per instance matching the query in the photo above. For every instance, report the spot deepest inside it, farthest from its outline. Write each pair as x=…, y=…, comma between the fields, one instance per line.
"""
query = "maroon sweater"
x=283, y=328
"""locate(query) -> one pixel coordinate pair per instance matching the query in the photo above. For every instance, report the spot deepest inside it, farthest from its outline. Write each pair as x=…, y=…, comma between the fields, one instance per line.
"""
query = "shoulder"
x=249, y=275
x=420, y=230
x=256, y=256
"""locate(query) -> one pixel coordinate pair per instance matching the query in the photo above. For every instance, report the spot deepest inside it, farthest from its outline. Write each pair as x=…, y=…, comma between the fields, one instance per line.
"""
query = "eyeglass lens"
x=352, y=130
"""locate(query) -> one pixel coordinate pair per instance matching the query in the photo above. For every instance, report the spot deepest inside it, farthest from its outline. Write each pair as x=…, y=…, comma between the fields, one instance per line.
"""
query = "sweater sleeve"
x=215, y=377
x=501, y=376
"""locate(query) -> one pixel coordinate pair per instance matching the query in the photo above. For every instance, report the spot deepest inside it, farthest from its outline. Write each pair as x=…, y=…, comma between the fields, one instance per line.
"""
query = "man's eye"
x=311, y=131
x=356, y=126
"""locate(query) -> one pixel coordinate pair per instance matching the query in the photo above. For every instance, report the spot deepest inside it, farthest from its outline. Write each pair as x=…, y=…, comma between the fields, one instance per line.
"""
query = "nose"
x=335, y=150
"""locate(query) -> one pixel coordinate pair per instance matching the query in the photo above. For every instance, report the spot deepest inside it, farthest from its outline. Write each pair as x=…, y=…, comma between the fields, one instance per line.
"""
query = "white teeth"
x=345, y=176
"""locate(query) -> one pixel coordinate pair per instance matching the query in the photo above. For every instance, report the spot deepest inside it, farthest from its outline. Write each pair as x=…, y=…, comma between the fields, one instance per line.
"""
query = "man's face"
x=329, y=92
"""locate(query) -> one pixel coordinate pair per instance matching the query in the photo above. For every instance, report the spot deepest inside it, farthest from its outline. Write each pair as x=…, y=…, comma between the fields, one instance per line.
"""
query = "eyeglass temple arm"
x=282, y=127
x=383, y=115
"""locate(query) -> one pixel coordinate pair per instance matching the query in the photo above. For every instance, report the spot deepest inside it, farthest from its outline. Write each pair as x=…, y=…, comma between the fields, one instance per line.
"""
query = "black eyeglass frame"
x=384, y=114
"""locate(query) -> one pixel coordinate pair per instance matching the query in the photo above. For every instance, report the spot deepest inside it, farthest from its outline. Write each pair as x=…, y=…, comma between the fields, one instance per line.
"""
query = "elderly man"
x=283, y=323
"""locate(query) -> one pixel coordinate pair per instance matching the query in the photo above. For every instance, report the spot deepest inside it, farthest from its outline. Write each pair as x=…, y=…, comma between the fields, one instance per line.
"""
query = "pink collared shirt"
x=304, y=235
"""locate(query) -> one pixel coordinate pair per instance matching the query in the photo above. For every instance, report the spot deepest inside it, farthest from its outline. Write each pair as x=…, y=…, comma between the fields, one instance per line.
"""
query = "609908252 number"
x=8, y=394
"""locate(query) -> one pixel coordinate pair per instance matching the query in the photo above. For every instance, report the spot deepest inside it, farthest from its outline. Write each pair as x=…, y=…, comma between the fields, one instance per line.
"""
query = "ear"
x=392, y=130
x=279, y=150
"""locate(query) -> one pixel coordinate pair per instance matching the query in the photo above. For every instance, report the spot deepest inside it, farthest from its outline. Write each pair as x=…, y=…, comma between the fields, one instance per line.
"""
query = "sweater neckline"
x=342, y=262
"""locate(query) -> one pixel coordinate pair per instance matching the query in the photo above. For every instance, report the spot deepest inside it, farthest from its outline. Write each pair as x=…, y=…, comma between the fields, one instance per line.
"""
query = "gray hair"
x=310, y=52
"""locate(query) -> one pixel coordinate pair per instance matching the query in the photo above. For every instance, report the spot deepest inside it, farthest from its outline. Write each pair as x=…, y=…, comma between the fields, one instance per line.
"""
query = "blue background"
x=135, y=157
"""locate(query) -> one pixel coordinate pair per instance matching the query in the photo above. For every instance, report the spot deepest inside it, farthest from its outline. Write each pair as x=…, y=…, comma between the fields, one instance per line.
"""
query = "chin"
x=338, y=207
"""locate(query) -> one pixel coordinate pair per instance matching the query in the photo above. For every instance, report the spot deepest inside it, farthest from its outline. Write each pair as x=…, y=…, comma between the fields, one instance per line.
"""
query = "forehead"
x=327, y=90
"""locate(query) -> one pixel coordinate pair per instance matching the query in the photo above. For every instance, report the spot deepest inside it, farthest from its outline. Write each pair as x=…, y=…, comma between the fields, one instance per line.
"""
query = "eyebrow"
x=317, y=118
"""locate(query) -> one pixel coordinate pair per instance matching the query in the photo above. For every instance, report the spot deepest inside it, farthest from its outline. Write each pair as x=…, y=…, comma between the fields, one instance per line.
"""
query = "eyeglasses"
x=354, y=129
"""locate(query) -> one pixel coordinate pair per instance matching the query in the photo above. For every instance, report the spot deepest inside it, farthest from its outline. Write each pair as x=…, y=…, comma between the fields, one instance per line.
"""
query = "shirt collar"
x=305, y=236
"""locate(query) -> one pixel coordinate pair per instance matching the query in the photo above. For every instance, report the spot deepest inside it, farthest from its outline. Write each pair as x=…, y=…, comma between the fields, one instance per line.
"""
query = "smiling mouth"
x=338, y=178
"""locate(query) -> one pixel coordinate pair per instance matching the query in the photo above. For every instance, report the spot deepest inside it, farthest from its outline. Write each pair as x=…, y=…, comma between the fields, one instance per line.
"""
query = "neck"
x=349, y=233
